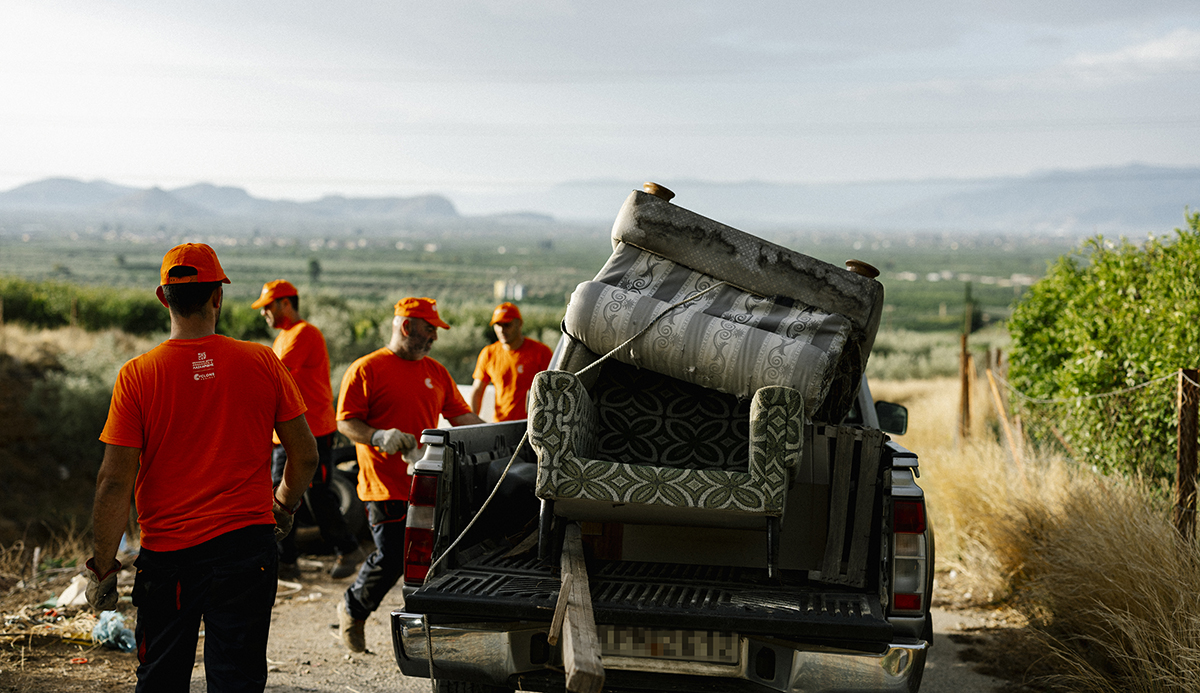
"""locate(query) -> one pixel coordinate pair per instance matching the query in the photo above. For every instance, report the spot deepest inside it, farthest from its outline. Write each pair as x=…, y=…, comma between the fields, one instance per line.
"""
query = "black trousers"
x=322, y=502
x=230, y=581
x=383, y=568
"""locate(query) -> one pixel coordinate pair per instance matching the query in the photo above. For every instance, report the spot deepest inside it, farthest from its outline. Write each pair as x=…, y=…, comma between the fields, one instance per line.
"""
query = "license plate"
x=682, y=645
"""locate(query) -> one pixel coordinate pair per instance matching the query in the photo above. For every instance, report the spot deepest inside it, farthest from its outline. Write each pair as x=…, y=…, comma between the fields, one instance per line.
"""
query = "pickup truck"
x=836, y=598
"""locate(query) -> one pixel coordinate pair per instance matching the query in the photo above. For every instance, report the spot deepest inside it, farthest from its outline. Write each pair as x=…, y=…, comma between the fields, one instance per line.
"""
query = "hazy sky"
x=299, y=98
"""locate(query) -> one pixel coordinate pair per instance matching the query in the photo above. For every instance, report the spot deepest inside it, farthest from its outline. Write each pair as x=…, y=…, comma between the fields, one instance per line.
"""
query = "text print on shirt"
x=203, y=363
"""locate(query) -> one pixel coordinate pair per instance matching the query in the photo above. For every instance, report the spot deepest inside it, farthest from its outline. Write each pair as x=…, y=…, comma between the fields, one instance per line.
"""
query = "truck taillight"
x=418, y=528
x=910, y=556
x=908, y=517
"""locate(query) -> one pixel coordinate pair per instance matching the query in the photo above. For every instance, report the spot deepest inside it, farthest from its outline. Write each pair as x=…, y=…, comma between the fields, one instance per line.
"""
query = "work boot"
x=351, y=630
x=289, y=571
x=347, y=563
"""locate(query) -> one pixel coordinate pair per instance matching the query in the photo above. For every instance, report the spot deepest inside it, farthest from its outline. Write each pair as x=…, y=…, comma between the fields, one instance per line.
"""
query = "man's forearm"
x=477, y=396
x=356, y=430
x=110, y=510
x=302, y=460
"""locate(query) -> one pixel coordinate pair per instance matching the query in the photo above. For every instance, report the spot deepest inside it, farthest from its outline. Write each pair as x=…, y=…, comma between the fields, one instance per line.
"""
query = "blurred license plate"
x=684, y=645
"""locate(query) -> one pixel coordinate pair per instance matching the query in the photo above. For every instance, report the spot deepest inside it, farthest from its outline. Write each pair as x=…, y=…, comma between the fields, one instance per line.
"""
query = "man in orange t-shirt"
x=510, y=363
x=188, y=429
x=387, y=398
x=301, y=348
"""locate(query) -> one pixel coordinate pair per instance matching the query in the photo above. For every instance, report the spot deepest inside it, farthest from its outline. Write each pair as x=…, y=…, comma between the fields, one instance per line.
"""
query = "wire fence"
x=1130, y=429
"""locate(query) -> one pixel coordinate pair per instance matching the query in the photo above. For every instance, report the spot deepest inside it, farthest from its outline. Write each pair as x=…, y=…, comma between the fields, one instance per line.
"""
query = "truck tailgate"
x=658, y=595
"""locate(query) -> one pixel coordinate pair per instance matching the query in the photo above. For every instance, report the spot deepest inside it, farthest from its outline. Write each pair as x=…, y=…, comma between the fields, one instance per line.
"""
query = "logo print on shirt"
x=203, y=363
x=429, y=383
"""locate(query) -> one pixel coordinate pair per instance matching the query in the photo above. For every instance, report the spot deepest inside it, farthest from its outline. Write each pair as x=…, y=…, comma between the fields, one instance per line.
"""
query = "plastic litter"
x=112, y=633
x=75, y=594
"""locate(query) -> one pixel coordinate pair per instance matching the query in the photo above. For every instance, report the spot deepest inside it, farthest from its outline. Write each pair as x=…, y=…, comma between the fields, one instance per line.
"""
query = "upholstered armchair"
x=584, y=481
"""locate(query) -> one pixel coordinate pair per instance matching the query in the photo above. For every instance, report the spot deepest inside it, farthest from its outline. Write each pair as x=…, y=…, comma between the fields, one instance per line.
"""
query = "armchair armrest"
x=563, y=425
x=776, y=442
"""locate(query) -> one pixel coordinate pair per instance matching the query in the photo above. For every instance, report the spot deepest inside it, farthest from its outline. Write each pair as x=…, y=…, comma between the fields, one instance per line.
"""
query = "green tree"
x=1113, y=315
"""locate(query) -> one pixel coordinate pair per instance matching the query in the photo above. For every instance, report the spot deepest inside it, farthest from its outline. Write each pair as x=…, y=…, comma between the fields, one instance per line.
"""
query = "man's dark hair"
x=186, y=300
x=295, y=302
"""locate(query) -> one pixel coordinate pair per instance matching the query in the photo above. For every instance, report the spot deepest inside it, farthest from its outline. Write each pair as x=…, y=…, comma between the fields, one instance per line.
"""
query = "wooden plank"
x=1185, y=454
x=839, y=502
x=560, y=610
x=525, y=546
x=864, y=505
x=581, y=643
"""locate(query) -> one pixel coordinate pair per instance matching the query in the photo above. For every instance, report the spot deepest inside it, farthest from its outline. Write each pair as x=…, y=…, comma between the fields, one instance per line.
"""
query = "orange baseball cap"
x=274, y=290
x=196, y=255
x=505, y=312
x=424, y=308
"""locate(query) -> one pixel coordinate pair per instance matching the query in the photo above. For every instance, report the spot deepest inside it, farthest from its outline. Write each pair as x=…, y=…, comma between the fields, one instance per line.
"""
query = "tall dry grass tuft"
x=1092, y=561
x=1117, y=590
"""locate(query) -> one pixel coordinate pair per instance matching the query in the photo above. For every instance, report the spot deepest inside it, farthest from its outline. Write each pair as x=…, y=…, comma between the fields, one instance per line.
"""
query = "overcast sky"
x=300, y=98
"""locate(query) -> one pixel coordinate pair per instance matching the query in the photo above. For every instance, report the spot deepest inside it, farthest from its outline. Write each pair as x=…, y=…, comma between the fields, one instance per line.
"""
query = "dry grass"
x=47, y=347
x=62, y=553
x=1093, y=561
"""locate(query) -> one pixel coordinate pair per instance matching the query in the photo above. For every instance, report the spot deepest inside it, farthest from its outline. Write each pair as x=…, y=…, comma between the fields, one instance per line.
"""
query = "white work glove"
x=393, y=440
x=102, y=589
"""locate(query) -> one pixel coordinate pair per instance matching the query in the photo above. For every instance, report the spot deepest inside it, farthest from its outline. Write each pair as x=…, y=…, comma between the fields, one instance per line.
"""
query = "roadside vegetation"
x=1074, y=529
x=1110, y=590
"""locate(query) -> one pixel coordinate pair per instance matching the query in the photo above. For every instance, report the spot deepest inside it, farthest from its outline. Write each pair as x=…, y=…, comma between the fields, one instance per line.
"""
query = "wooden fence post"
x=1017, y=450
x=964, y=406
x=1185, y=454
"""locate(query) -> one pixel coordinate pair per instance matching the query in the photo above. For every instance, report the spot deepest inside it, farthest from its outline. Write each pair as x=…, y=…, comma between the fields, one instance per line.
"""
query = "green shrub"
x=1111, y=316
x=50, y=304
x=71, y=403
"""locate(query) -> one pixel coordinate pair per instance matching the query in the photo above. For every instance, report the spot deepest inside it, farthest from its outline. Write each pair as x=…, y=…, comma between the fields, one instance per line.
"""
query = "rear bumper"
x=508, y=654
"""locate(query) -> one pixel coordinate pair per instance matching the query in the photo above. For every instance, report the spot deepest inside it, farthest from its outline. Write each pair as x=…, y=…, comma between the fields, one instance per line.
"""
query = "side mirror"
x=893, y=418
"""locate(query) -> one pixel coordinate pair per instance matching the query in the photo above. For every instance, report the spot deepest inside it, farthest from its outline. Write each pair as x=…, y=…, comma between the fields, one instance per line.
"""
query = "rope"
x=1081, y=398
x=524, y=437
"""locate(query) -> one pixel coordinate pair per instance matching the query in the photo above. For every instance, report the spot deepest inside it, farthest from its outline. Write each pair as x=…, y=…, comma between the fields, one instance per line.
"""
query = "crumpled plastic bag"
x=112, y=633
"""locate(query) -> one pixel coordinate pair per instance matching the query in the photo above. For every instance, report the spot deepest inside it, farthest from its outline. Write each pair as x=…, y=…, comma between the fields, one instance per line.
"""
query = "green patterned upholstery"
x=563, y=430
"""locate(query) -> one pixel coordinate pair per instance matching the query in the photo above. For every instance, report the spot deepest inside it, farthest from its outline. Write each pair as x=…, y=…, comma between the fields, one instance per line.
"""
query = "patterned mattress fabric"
x=712, y=250
x=751, y=263
x=727, y=340
x=564, y=428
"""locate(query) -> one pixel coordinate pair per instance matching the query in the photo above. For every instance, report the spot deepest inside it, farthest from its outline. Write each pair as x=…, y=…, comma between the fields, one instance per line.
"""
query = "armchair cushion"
x=563, y=427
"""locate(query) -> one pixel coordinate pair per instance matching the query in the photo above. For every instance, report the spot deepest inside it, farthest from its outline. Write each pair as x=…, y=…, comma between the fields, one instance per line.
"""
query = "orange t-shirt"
x=386, y=391
x=201, y=411
x=512, y=371
x=301, y=347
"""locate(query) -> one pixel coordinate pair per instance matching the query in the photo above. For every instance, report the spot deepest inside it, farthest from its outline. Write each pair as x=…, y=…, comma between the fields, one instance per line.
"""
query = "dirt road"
x=304, y=653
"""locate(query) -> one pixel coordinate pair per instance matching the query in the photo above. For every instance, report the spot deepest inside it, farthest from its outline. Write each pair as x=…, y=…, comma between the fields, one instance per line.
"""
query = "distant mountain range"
x=1120, y=200
x=1128, y=199
x=203, y=200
